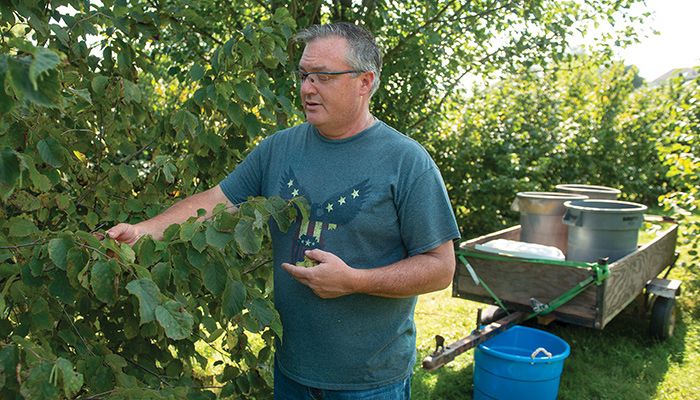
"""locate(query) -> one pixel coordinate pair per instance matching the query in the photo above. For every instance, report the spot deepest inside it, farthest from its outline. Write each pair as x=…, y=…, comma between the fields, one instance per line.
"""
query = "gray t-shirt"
x=376, y=198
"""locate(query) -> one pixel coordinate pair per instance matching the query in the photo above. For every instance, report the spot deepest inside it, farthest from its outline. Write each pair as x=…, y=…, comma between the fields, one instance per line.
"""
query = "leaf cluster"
x=83, y=316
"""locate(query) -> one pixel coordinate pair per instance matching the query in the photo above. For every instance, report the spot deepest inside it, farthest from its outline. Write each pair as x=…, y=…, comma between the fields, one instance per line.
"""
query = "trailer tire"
x=663, y=318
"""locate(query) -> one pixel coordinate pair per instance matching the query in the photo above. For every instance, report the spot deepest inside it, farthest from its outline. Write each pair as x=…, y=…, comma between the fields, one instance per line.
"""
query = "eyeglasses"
x=322, y=76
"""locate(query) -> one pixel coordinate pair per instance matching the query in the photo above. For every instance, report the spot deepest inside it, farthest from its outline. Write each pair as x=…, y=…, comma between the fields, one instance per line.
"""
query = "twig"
x=19, y=246
x=160, y=377
x=263, y=263
x=77, y=331
x=415, y=32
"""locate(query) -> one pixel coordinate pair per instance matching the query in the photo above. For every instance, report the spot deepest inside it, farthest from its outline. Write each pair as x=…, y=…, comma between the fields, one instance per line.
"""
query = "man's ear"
x=366, y=79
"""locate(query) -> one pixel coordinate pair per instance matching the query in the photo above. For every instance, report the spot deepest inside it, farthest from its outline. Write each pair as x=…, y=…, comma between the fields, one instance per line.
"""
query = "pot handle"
x=515, y=205
x=572, y=219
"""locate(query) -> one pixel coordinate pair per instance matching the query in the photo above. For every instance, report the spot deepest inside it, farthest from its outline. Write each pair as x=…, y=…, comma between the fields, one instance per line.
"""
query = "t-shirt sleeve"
x=425, y=214
x=246, y=179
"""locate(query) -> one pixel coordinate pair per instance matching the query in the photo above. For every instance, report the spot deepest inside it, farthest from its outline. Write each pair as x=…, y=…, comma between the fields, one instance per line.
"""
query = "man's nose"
x=307, y=86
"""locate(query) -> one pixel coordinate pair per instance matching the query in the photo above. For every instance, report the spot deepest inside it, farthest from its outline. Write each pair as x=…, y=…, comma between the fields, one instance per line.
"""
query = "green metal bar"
x=564, y=298
x=497, y=257
x=482, y=283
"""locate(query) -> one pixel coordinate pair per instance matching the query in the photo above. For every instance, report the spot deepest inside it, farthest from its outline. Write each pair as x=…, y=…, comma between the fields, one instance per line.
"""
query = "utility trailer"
x=584, y=294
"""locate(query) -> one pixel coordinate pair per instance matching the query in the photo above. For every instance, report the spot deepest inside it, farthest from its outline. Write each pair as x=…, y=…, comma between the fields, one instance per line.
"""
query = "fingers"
x=301, y=274
x=319, y=255
x=123, y=233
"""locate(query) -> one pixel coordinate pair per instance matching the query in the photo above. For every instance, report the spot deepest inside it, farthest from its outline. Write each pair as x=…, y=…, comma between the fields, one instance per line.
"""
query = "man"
x=381, y=228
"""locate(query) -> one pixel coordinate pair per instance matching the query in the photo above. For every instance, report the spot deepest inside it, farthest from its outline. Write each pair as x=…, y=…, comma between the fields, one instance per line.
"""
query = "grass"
x=619, y=362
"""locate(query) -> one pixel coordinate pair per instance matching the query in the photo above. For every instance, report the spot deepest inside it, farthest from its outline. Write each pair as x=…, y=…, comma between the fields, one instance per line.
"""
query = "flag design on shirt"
x=336, y=210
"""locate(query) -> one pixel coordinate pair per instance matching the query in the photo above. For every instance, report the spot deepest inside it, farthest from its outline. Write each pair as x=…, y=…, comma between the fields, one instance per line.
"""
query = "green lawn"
x=619, y=362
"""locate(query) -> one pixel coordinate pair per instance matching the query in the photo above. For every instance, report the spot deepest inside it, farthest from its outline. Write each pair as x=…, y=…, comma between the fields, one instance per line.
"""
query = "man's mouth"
x=311, y=104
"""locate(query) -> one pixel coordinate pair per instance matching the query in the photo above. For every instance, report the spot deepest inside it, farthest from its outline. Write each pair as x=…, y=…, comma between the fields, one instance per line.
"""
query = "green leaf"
x=217, y=239
x=263, y=311
x=184, y=121
x=132, y=92
x=48, y=91
x=88, y=238
x=233, y=298
x=245, y=91
x=252, y=125
x=146, y=251
x=161, y=274
x=6, y=101
x=76, y=261
x=302, y=205
x=51, y=152
x=129, y=173
x=98, y=84
x=60, y=287
x=279, y=211
x=41, y=318
x=43, y=61
x=225, y=222
x=188, y=230
x=37, y=386
x=41, y=182
x=9, y=166
x=214, y=277
x=149, y=297
x=61, y=34
x=175, y=320
x=103, y=279
x=199, y=241
x=9, y=358
x=72, y=381
x=197, y=259
x=21, y=227
x=248, y=239
x=197, y=72
x=115, y=361
x=58, y=251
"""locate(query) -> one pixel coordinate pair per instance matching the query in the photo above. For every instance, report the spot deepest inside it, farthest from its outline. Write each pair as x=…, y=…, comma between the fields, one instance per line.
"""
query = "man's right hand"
x=125, y=233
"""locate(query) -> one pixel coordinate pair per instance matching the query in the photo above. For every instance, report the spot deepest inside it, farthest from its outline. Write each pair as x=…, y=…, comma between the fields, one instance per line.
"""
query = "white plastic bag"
x=521, y=249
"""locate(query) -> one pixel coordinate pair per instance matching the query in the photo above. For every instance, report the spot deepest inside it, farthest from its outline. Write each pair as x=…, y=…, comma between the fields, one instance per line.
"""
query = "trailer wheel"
x=663, y=318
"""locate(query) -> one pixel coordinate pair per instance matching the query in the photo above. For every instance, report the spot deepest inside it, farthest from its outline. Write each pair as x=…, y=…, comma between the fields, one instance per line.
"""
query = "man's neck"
x=360, y=124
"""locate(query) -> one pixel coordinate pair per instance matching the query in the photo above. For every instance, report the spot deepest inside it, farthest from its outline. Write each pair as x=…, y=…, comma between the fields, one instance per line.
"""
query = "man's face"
x=332, y=103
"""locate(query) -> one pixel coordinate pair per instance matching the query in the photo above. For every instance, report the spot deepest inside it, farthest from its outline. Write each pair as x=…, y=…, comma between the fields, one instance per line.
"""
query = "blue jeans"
x=288, y=389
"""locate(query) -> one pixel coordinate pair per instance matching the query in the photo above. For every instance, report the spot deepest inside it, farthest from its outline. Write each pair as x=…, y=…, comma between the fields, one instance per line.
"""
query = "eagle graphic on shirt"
x=336, y=210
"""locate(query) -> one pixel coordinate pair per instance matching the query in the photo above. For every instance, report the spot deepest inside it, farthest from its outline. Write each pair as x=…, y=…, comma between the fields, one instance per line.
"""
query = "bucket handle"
x=540, y=350
x=571, y=219
x=515, y=205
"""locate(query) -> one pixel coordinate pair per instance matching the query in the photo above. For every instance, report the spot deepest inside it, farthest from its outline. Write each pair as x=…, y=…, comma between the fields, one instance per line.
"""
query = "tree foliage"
x=583, y=122
x=111, y=111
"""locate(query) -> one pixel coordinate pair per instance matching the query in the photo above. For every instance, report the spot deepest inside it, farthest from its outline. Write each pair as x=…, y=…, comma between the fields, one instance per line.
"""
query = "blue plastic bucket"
x=504, y=366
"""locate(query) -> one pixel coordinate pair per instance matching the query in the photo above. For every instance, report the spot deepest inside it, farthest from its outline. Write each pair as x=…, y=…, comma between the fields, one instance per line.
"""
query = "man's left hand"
x=331, y=278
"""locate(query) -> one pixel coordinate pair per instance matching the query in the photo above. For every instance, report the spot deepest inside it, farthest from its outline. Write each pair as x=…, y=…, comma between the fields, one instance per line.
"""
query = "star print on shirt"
x=336, y=210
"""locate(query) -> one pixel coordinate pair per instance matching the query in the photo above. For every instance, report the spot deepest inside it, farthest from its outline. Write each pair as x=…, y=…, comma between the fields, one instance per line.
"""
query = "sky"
x=678, y=42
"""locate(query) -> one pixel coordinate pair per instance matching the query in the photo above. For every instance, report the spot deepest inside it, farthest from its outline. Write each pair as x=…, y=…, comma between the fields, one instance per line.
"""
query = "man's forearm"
x=422, y=273
x=181, y=211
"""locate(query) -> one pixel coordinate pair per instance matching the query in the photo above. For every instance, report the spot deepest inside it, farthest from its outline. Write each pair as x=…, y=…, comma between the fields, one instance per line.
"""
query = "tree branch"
x=406, y=38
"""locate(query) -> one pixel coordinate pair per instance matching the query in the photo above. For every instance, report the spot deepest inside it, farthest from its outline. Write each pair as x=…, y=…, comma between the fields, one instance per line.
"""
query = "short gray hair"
x=363, y=52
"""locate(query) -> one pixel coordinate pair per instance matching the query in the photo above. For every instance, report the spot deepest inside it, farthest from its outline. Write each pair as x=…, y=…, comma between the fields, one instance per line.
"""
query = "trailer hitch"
x=444, y=354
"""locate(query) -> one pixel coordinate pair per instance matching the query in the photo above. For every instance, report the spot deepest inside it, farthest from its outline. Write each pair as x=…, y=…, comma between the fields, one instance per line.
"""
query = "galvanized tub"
x=602, y=228
x=592, y=191
x=541, y=217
